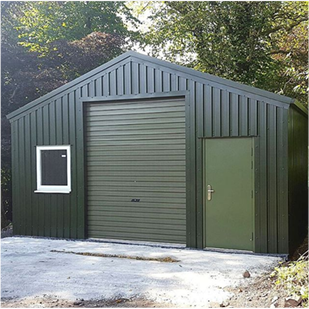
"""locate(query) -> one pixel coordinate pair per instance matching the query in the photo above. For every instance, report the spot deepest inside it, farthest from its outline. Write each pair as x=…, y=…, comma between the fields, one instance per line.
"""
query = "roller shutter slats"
x=136, y=150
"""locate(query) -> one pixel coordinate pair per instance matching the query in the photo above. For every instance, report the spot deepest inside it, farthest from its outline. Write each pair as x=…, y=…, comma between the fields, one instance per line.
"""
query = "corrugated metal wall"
x=136, y=170
x=298, y=177
x=58, y=215
x=213, y=110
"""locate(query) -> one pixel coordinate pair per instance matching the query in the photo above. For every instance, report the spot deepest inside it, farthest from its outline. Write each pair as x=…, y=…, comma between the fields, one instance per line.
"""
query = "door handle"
x=209, y=192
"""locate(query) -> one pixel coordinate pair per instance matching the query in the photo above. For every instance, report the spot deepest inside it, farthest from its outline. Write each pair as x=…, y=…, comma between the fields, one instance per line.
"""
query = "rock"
x=77, y=303
x=274, y=302
x=292, y=302
x=246, y=274
x=224, y=304
x=274, y=299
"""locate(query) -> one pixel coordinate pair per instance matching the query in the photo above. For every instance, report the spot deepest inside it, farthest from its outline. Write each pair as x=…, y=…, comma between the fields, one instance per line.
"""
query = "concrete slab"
x=30, y=269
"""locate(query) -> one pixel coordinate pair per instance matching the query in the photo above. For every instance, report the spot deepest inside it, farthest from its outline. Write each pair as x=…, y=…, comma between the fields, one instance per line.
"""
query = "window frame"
x=52, y=188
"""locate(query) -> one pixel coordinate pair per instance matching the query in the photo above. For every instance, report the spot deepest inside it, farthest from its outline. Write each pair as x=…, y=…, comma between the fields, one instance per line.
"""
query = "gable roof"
x=162, y=63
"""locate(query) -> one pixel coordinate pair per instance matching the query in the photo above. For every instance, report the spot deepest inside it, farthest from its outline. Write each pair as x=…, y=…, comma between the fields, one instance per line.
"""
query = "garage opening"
x=136, y=179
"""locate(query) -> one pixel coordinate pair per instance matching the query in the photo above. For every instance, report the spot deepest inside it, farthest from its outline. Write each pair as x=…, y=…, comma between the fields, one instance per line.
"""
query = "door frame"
x=254, y=140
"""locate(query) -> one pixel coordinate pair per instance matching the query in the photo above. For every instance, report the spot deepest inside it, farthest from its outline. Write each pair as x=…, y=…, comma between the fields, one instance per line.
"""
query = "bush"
x=293, y=277
x=6, y=197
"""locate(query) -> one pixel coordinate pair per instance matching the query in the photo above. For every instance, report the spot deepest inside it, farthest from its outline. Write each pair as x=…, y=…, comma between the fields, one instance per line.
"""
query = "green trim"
x=300, y=107
x=80, y=146
x=216, y=137
x=199, y=165
x=142, y=96
x=253, y=142
x=257, y=230
x=190, y=170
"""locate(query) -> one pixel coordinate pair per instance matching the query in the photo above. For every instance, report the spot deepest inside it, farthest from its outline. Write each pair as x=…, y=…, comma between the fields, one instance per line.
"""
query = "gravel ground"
x=50, y=301
x=31, y=270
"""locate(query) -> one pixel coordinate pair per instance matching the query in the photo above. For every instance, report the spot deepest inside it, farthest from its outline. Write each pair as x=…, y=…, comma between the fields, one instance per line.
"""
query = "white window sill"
x=42, y=191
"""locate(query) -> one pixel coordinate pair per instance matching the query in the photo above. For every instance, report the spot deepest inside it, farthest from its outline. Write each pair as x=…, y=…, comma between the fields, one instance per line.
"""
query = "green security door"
x=228, y=193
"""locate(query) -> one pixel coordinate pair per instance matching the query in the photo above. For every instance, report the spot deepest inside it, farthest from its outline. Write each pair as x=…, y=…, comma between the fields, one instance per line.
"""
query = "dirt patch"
x=53, y=302
x=262, y=293
x=167, y=259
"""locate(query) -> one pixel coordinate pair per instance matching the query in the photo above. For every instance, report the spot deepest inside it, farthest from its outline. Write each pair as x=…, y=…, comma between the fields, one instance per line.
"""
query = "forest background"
x=47, y=44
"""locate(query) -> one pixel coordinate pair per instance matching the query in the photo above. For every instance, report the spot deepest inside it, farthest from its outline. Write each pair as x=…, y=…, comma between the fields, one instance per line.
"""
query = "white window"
x=53, y=169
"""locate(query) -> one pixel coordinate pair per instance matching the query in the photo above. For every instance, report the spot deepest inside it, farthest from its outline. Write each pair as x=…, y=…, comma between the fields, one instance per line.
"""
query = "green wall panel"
x=214, y=108
x=298, y=177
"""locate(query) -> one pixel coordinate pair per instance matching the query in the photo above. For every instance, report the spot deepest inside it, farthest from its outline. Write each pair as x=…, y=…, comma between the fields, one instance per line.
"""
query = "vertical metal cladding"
x=230, y=114
x=298, y=177
x=53, y=215
x=214, y=110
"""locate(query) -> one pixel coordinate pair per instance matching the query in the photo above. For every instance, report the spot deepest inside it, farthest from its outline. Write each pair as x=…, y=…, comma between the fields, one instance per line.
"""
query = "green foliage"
x=262, y=44
x=292, y=51
x=6, y=187
x=294, y=278
x=46, y=21
x=46, y=44
x=5, y=179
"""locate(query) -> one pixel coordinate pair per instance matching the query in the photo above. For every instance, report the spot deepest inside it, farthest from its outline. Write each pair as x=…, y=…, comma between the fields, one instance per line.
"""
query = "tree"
x=47, y=21
x=242, y=41
x=45, y=45
x=291, y=51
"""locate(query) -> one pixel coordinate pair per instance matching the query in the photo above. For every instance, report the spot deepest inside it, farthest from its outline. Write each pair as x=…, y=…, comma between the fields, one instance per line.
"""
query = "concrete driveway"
x=32, y=267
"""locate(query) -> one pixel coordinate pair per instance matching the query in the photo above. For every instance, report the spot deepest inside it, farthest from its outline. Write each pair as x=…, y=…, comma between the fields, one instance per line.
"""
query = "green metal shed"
x=145, y=150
